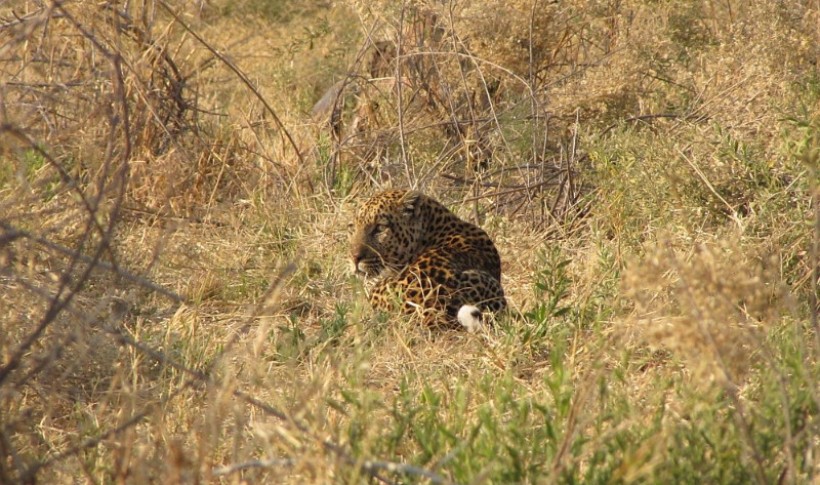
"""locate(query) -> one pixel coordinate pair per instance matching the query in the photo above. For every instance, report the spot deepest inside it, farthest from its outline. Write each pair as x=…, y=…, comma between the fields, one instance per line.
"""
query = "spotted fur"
x=416, y=253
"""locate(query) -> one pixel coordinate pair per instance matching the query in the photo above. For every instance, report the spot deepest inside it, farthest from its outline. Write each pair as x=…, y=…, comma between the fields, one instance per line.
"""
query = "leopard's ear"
x=411, y=201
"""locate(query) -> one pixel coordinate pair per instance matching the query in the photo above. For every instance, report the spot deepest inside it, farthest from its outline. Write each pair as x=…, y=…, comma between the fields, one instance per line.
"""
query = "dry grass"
x=175, y=183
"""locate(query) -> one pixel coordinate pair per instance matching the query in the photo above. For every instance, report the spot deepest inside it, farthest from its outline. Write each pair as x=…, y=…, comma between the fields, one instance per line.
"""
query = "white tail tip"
x=469, y=317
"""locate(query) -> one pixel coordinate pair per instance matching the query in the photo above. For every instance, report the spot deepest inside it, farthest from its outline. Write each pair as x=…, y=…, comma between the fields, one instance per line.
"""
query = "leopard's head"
x=386, y=232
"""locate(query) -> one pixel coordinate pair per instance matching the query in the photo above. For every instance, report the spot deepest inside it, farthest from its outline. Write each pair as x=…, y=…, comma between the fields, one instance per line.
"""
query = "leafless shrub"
x=432, y=107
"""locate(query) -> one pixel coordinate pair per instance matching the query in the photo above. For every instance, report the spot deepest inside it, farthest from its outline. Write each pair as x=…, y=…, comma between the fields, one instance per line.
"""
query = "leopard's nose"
x=355, y=258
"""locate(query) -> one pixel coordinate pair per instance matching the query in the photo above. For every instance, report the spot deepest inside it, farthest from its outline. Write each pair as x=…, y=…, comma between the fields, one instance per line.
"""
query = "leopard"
x=417, y=256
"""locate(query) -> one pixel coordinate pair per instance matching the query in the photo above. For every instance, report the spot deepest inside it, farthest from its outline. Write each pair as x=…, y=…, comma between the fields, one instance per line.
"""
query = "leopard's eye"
x=350, y=227
x=379, y=228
